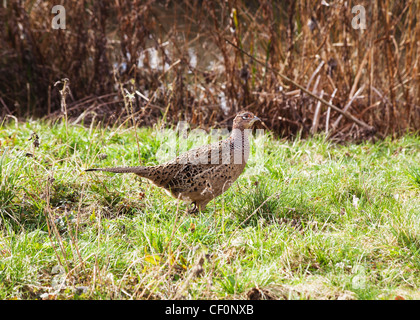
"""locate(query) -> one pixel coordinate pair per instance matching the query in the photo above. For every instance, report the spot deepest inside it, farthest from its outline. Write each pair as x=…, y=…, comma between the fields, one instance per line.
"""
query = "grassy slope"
x=307, y=219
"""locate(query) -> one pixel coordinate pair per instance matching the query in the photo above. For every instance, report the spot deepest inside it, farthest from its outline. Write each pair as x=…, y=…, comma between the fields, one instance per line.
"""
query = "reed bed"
x=202, y=61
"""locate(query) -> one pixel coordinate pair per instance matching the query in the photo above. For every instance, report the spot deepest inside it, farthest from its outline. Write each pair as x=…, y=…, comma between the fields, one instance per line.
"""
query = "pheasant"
x=201, y=174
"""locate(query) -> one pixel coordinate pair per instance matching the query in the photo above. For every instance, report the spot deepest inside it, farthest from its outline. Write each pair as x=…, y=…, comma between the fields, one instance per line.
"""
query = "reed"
x=176, y=54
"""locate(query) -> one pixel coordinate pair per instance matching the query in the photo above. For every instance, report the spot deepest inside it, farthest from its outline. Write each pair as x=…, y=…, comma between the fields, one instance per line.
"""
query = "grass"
x=306, y=220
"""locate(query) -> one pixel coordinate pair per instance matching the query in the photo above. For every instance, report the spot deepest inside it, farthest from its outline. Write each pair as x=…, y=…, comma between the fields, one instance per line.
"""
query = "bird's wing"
x=196, y=164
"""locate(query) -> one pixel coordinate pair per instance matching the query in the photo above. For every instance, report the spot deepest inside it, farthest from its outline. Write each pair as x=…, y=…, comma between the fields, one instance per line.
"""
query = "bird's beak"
x=255, y=119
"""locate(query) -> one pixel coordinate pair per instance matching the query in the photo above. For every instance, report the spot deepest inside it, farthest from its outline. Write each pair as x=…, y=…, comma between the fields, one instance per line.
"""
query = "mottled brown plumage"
x=201, y=174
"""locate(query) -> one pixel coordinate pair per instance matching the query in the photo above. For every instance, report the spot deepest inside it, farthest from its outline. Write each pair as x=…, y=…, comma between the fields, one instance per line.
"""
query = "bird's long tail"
x=141, y=171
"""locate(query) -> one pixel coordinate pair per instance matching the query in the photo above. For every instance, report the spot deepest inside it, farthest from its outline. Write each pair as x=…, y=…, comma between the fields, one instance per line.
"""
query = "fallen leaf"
x=254, y=294
x=152, y=259
x=192, y=227
x=47, y=296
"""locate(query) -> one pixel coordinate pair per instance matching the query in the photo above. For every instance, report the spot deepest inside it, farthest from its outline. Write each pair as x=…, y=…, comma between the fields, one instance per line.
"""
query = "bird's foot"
x=194, y=209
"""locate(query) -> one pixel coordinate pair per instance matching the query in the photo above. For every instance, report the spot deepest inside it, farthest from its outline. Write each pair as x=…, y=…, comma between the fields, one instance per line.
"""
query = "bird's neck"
x=240, y=133
x=240, y=145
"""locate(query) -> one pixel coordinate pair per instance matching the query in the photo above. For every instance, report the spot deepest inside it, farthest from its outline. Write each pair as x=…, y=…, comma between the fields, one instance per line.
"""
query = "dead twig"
x=335, y=108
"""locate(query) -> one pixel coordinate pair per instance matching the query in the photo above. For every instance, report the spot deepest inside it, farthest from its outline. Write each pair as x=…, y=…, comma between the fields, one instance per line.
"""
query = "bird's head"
x=244, y=120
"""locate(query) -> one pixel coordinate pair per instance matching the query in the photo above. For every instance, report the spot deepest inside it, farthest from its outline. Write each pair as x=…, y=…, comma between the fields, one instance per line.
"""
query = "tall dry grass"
x=175, y=55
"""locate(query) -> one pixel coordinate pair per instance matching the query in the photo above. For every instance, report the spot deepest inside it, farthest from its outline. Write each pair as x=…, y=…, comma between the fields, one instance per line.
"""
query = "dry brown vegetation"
x=176, y=54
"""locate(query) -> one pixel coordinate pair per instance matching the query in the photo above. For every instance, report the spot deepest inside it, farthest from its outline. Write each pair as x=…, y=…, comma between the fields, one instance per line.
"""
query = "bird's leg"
x=194, y=209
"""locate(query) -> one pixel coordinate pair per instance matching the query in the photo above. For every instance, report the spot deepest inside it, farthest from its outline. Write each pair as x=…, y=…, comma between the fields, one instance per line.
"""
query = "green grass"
x=306, y=220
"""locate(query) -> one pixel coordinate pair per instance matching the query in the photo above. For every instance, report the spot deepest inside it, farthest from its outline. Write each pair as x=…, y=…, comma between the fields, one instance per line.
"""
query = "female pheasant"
x=201, y=174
